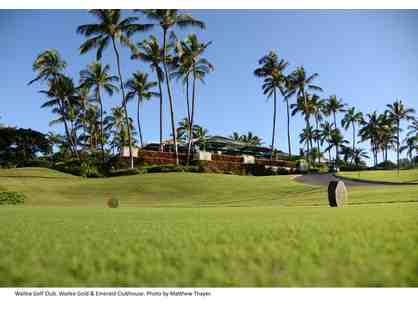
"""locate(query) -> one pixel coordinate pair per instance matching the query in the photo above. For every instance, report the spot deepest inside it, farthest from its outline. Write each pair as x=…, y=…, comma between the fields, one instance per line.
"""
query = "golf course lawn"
x=405, y=176
x=185, y=229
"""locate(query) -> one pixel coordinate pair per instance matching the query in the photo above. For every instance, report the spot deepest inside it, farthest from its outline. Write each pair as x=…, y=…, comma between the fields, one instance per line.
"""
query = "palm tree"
x=190, y=62
x=318, y=105
x=167, y=19
x=97, y=76
x=334, y=105
x=411, y=145
x=117, y=127
x=302, y=83
x=357, y=156
x=49, y=67
x=325, y=132
x=62, y=93
x=201, y=134
x=306, y=137
x=413, y=128
x=307, y=109
x=369, y=131
x=271, y=69
x=112, y=29
x=336, y=140
x=352, y=118
x=286, y=90
x=182, y=130
x=150, y=52
x=248, y=138
x=139, y=86
x=398, y=112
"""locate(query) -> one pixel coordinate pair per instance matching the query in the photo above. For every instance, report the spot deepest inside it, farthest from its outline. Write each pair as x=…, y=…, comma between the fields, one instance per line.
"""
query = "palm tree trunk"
x=317, y=141
x=187, y=100
x=189, y=148
x=128, y=128
x=354, y=140
x=170, y=97
x=305, y=101
x=67, y=130
x=397, y=143
x=99, y=98
x=337, y=159
x=161, y=114
x=288, y=129
x=274, y=122
x=141, y=140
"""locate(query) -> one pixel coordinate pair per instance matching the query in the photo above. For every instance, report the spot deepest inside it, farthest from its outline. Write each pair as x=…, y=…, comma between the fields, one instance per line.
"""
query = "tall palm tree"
x=62, y=93
x=49, y=67
x=411, y=145
x=398, y=112
x=271, y=69
x=352, y=117
x=332, y=107
x=306, y=137
x=369, y=131
x=168, y=19
x=306, y=108
x=318, y=105
x=325, y=135
x=97, y=77
x=191, y=63
x=150, y=52
x=302, y=84
x=139, y=86
x=336, y=140
x=117, y=127
x=110, y=29
x=286, y=90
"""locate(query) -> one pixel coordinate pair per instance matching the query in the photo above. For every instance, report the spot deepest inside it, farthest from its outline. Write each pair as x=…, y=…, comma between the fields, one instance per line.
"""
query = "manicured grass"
x=405, y=176
x=183, y=229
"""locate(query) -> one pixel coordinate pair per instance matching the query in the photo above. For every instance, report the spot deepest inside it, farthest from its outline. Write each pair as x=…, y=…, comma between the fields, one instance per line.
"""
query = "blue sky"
x=367, y=58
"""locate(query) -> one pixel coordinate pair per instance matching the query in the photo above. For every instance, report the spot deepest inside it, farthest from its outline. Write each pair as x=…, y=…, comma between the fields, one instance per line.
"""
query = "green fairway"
x=184, y=229
x=404, y=176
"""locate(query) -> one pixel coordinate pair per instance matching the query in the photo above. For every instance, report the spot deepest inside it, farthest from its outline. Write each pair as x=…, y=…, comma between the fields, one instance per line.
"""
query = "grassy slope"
x=384, y=175
x=204, y=230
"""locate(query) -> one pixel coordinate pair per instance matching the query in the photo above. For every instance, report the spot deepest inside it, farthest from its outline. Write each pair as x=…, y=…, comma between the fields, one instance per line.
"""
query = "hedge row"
x=11, y=198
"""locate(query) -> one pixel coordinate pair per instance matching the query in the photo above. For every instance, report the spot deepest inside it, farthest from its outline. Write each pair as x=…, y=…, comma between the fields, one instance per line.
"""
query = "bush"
x=11, y=198
x=113, y=202
x=86, y=169
x=162, y=168
x=386, y=165
x=125, y=172
x=35, y=163
x=89, y=170
x=353, y=168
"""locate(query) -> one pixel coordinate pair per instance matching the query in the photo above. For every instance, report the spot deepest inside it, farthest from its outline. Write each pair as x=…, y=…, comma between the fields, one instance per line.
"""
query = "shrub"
x=113, y=202
x=386, y=165
x=125, y=172
x=35, y=163
x=11, y=198
x=162, y=168
x=89, y=170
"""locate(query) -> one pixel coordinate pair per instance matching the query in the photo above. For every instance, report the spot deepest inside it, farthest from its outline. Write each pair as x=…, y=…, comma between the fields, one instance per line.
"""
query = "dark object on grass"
x=113, y=202
x=337, y=194
x=11, y=198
